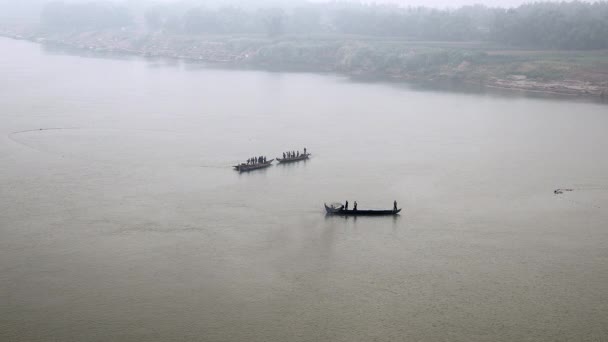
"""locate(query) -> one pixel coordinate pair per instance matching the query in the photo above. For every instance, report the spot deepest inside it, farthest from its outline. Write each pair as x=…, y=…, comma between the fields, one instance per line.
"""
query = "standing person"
x=283, y=155
x=395, y=205
x=355, y=206
x=304, y=150
x=346, y=206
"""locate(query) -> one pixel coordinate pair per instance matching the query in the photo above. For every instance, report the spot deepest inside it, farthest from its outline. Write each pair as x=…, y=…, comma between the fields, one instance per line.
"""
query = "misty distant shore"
x=558, y=48
x=471, y=64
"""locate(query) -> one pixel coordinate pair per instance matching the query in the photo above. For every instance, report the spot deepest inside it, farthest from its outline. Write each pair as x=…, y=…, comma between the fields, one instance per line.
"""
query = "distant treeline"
x=562, y=25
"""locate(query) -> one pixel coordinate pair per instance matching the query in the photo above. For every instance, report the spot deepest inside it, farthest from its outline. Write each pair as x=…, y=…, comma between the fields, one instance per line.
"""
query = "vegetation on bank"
x=554, y=25
x=476, y=45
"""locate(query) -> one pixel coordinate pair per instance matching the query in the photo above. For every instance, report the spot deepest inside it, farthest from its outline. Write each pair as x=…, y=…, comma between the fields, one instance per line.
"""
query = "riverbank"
x=562, y=73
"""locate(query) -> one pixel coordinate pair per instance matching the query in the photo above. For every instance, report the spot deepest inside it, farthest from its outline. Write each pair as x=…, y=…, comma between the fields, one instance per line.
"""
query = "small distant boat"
x=338, y=209
x=250, y=167
x=302, y=156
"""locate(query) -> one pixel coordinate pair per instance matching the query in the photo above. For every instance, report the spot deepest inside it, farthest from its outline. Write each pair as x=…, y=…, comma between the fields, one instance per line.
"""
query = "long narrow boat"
x=250, y=167
x=339, y=210
x=302, y=156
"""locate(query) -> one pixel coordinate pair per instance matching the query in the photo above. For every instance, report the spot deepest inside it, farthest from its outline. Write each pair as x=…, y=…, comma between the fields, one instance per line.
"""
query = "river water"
x=121, y=219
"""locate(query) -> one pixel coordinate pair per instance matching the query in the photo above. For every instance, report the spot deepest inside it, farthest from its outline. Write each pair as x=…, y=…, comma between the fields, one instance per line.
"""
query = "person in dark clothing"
x=346, y=206
x=304, y=150
x=283, y=155
x=395, y=205
x=355, y=206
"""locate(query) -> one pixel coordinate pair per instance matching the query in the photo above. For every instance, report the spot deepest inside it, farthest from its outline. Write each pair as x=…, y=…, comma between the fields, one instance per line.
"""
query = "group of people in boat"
x=355, y=206
x=256, y=160
x=292, y=154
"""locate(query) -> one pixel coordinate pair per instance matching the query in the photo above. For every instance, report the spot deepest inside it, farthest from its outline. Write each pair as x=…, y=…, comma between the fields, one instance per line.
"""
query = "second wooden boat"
x=303, y=156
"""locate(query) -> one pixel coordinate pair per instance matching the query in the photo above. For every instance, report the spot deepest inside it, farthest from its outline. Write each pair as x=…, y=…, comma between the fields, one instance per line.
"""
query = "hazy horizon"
x=402, y=3
x=29, y=10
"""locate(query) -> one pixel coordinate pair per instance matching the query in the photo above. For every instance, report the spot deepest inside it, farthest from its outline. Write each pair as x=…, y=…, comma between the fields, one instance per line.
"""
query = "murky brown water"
x=121, y=219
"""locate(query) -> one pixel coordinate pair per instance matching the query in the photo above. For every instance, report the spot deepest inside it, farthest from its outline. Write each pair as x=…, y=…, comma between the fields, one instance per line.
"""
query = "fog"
x=269, y=171
x=30, y=9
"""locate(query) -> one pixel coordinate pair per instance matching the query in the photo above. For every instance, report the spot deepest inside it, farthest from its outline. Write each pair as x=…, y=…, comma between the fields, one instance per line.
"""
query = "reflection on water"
x=451, y=86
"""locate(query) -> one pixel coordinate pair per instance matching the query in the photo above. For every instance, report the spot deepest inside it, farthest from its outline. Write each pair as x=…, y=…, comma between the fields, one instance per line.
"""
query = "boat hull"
x=343, y=212
x=247, y=168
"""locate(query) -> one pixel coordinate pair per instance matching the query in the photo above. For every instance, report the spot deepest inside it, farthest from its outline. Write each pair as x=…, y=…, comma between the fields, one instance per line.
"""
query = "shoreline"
x=213, y=51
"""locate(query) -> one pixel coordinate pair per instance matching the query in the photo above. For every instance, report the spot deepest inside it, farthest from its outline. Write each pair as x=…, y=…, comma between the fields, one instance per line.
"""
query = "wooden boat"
x=250, y=167
x=302, y=156
x=338, y=209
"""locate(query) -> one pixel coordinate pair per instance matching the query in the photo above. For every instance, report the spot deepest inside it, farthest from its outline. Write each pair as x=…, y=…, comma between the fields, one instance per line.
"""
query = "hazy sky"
x=31, y=8
x=429, y=3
